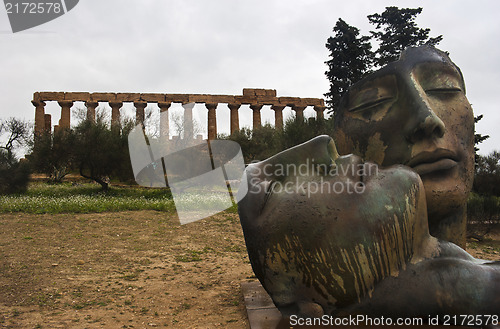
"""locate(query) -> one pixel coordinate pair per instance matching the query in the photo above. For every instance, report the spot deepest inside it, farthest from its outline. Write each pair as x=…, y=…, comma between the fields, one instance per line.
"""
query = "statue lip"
x=427, y=162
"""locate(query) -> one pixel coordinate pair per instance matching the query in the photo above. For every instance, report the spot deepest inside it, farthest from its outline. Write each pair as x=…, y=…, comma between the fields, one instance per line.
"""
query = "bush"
x=483, y=213
x=52, y=154
x=257, y=144
x=14, y=174
x=266, y=141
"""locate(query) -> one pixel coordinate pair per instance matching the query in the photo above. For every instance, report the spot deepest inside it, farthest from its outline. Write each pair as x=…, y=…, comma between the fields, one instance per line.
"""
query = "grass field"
x=87, y=198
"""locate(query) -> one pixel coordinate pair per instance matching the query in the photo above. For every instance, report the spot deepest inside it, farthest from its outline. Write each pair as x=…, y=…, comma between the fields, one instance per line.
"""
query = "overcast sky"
x=221, y=47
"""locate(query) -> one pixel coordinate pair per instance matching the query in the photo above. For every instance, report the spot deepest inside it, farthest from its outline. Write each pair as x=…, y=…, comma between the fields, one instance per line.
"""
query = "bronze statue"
x=335, y=235
x=414, y=112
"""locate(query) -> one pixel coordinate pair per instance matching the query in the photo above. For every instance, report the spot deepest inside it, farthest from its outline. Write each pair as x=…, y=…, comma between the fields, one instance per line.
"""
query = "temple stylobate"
x=255, y=98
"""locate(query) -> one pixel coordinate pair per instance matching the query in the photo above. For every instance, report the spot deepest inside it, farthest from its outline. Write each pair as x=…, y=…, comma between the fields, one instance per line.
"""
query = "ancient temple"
x=255, y=98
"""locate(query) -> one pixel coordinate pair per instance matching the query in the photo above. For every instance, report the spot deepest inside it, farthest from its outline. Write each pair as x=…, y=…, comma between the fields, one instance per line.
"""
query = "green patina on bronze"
x=323, y=251
x=416, y=107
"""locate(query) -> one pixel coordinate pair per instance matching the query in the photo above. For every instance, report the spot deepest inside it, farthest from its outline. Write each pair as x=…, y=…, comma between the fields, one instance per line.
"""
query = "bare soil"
x=121, y=270
x=130, y=270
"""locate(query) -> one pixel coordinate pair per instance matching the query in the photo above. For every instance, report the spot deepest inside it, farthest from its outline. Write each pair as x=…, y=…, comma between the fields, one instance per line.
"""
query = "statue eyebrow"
x=373, y=92
x=438, y=76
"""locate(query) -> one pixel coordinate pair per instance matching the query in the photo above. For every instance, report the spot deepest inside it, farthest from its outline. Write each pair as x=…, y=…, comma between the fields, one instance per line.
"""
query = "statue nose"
x=424, y=123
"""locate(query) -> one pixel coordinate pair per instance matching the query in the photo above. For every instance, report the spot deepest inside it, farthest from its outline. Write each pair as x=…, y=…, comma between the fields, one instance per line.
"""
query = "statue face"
x=322, y=230
x=414, y=112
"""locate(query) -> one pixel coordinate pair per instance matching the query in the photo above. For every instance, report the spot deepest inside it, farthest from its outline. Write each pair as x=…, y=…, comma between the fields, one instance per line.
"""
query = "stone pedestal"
x=212, y=121
x=235, y=121
x=257, y=123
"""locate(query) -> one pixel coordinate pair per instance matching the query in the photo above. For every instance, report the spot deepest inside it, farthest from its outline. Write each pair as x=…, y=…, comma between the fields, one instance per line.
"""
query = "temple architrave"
x=256, y=98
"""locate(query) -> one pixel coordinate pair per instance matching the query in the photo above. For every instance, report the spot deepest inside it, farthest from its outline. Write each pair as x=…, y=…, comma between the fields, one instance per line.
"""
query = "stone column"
x=91, y=110
x=320, y=112
x=47, y=123
x=164, y=122
x=256, y=116
x=188, y=120
x=64, y=122
x=278, y=116
x=139, y=112
x=39, y=116
x=299, y=112
x=212, y=121
x=235, y=120
x=115, y=113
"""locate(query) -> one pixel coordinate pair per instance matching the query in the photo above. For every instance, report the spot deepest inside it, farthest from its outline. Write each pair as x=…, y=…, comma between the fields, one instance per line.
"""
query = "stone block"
x=228, y=99
x=200, y=98
x=271, y=92
x=267, y=100
x=153, y=98
x=36, y=97
x=260, y=92
x=289, y=101
x=77, y=96
x=177, y=98
x=245, y=99
x=248, y=92
x=128, y=97
x=313, y=101
x=103, y=97
x=51, y=96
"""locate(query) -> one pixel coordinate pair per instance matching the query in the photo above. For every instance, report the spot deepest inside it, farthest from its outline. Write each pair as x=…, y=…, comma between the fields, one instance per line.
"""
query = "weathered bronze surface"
x=414, y=112
x=335, y=235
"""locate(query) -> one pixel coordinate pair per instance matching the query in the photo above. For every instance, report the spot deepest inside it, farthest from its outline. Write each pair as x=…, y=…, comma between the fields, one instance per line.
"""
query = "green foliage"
x=257, y=144
x=14, y=174
x=299, y=131
x=86, y=198
x=350, y=60
x=53, y=154
x=16, y=133
x=97, y=151
x=266, y=141
x=487, y=174
x=396, y=30
x=483, y=213
x=351, y=54
x=478, y=139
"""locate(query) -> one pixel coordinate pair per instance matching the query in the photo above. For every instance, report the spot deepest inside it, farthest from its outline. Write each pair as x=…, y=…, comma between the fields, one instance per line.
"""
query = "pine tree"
x=396, y=30
x=350, y=60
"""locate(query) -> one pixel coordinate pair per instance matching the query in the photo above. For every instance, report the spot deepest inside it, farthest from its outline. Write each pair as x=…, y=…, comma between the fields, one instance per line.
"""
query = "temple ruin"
x=255, y=98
